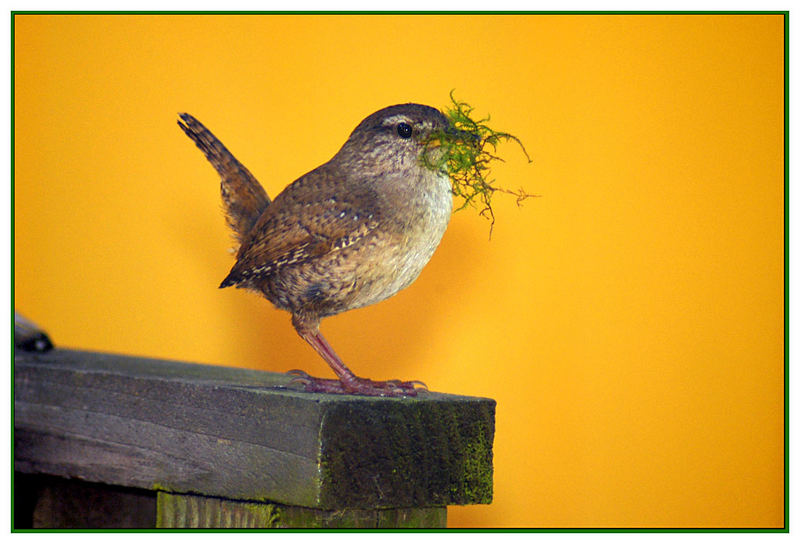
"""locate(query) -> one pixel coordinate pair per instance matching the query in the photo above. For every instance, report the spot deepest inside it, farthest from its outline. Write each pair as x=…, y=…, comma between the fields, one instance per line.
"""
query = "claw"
x=412, y=384
x=300, y=377
x=361, y=386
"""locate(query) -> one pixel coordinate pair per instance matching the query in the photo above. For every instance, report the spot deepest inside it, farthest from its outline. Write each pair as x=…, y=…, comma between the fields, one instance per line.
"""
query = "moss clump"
x=465, y=151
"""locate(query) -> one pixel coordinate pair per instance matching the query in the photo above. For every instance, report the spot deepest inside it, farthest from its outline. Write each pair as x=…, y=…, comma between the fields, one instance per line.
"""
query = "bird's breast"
x=413, y=233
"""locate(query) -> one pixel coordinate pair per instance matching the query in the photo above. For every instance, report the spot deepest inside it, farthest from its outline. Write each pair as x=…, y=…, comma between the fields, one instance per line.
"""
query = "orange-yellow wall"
x=629, y=323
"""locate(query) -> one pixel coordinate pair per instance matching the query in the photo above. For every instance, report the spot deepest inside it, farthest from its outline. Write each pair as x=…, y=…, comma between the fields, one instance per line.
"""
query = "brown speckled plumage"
x=349, y=233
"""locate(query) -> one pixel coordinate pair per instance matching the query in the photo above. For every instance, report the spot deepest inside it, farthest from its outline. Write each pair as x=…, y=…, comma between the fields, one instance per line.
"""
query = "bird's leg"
x=348, y=383
x=312, y=335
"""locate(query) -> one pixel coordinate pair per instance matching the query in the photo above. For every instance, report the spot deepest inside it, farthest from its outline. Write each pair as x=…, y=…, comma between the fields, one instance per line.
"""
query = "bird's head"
x=393, y=138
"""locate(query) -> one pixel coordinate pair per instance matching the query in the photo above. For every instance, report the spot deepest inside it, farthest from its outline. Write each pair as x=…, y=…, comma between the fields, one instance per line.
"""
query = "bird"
x=347, y=234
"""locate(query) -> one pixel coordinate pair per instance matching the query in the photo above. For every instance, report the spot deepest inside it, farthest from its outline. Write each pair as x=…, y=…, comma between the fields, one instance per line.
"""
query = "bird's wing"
x=244, y=197
x=311, y=218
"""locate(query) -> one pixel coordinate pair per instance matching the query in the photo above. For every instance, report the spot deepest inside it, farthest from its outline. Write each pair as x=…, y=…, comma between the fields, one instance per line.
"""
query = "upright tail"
x=244, y=198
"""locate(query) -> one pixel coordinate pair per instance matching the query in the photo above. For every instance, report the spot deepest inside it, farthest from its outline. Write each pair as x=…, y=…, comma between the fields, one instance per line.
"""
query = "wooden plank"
x=245, y=435
x=196, y=511
x=46, y=502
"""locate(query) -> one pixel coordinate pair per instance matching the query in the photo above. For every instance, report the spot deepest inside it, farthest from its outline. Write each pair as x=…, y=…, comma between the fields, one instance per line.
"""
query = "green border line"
x=11, y=210
x=396, y=12
x=786, y=271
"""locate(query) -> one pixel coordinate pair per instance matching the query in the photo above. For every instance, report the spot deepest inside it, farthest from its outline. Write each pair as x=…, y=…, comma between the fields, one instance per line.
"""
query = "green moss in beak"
x=465, y=151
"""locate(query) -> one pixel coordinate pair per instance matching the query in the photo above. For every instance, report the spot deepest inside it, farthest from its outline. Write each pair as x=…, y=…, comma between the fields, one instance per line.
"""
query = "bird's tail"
x=243, y=196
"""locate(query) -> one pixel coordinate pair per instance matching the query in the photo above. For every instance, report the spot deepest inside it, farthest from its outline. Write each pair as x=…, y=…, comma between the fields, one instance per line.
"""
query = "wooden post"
x=212, y=446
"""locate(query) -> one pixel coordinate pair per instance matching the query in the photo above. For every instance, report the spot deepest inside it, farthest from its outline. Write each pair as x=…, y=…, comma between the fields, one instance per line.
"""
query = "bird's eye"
x=404, y=130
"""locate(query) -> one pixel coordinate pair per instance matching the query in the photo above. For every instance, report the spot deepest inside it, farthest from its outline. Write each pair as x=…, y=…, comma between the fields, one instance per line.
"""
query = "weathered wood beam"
x=238, y=434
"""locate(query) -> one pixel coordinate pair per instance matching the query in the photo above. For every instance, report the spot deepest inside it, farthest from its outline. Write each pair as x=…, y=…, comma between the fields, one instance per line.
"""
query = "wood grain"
x=245, y=435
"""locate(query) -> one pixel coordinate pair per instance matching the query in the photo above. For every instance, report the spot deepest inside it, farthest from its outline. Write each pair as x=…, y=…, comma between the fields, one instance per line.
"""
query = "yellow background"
x=629, y=322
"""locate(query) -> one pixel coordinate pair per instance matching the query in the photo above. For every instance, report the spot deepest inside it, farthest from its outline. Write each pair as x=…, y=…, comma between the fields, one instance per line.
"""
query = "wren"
x=352, y=232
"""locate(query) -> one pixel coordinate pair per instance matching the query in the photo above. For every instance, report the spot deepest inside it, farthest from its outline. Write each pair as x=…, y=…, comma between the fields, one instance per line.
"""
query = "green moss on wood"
x=466, y=151
x=380, y=457
x=197, y=511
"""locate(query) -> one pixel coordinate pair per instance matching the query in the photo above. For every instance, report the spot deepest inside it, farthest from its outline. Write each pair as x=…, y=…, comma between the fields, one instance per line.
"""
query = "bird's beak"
x=462, y=135
x=453, y=134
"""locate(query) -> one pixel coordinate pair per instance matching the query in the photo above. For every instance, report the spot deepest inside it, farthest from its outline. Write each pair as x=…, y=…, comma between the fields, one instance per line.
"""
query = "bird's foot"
x=357, y=386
